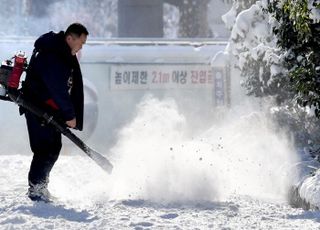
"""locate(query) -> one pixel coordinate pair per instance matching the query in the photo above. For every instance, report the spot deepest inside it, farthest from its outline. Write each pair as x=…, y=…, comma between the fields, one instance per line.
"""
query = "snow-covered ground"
x=234, y=175
x=79, y=206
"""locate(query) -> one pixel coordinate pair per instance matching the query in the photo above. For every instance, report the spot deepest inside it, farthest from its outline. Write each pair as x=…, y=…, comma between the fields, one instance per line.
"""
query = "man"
x=54, y=83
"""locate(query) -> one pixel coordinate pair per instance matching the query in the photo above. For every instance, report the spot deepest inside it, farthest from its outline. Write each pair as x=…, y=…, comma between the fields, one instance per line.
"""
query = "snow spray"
x=160, y=161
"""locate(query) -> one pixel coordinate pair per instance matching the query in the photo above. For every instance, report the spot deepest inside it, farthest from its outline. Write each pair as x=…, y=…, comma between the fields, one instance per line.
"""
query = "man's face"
x=75, y=43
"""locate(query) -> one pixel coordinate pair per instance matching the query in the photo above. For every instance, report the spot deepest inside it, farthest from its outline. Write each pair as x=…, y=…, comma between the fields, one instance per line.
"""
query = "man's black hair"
x=76, y=29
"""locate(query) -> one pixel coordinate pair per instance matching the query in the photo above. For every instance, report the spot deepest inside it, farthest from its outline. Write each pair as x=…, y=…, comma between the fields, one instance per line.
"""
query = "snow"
x=310, y=189
x=239, y=212
x=233, y=175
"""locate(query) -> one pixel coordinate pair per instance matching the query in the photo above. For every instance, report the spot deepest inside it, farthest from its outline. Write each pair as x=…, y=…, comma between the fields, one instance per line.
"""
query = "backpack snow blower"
x=10, y=74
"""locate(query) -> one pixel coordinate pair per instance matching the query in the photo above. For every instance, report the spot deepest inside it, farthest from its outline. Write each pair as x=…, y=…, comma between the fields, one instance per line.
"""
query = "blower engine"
x=10, y=74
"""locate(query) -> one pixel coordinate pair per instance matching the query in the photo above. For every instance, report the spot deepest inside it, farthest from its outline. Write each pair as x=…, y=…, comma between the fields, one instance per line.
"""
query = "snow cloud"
x=161, y=161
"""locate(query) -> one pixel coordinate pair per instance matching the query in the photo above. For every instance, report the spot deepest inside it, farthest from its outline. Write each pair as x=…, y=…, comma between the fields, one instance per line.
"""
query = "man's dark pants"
x=45, y=143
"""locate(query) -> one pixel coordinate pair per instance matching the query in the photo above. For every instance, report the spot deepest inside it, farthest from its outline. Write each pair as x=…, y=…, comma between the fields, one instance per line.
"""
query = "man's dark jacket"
x=47, y=82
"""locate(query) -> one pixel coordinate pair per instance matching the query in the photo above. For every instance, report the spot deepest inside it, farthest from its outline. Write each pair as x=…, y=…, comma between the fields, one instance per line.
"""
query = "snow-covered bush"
x=298, y=32
x=253, y=44
x=267, y=45
x=301, y=126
